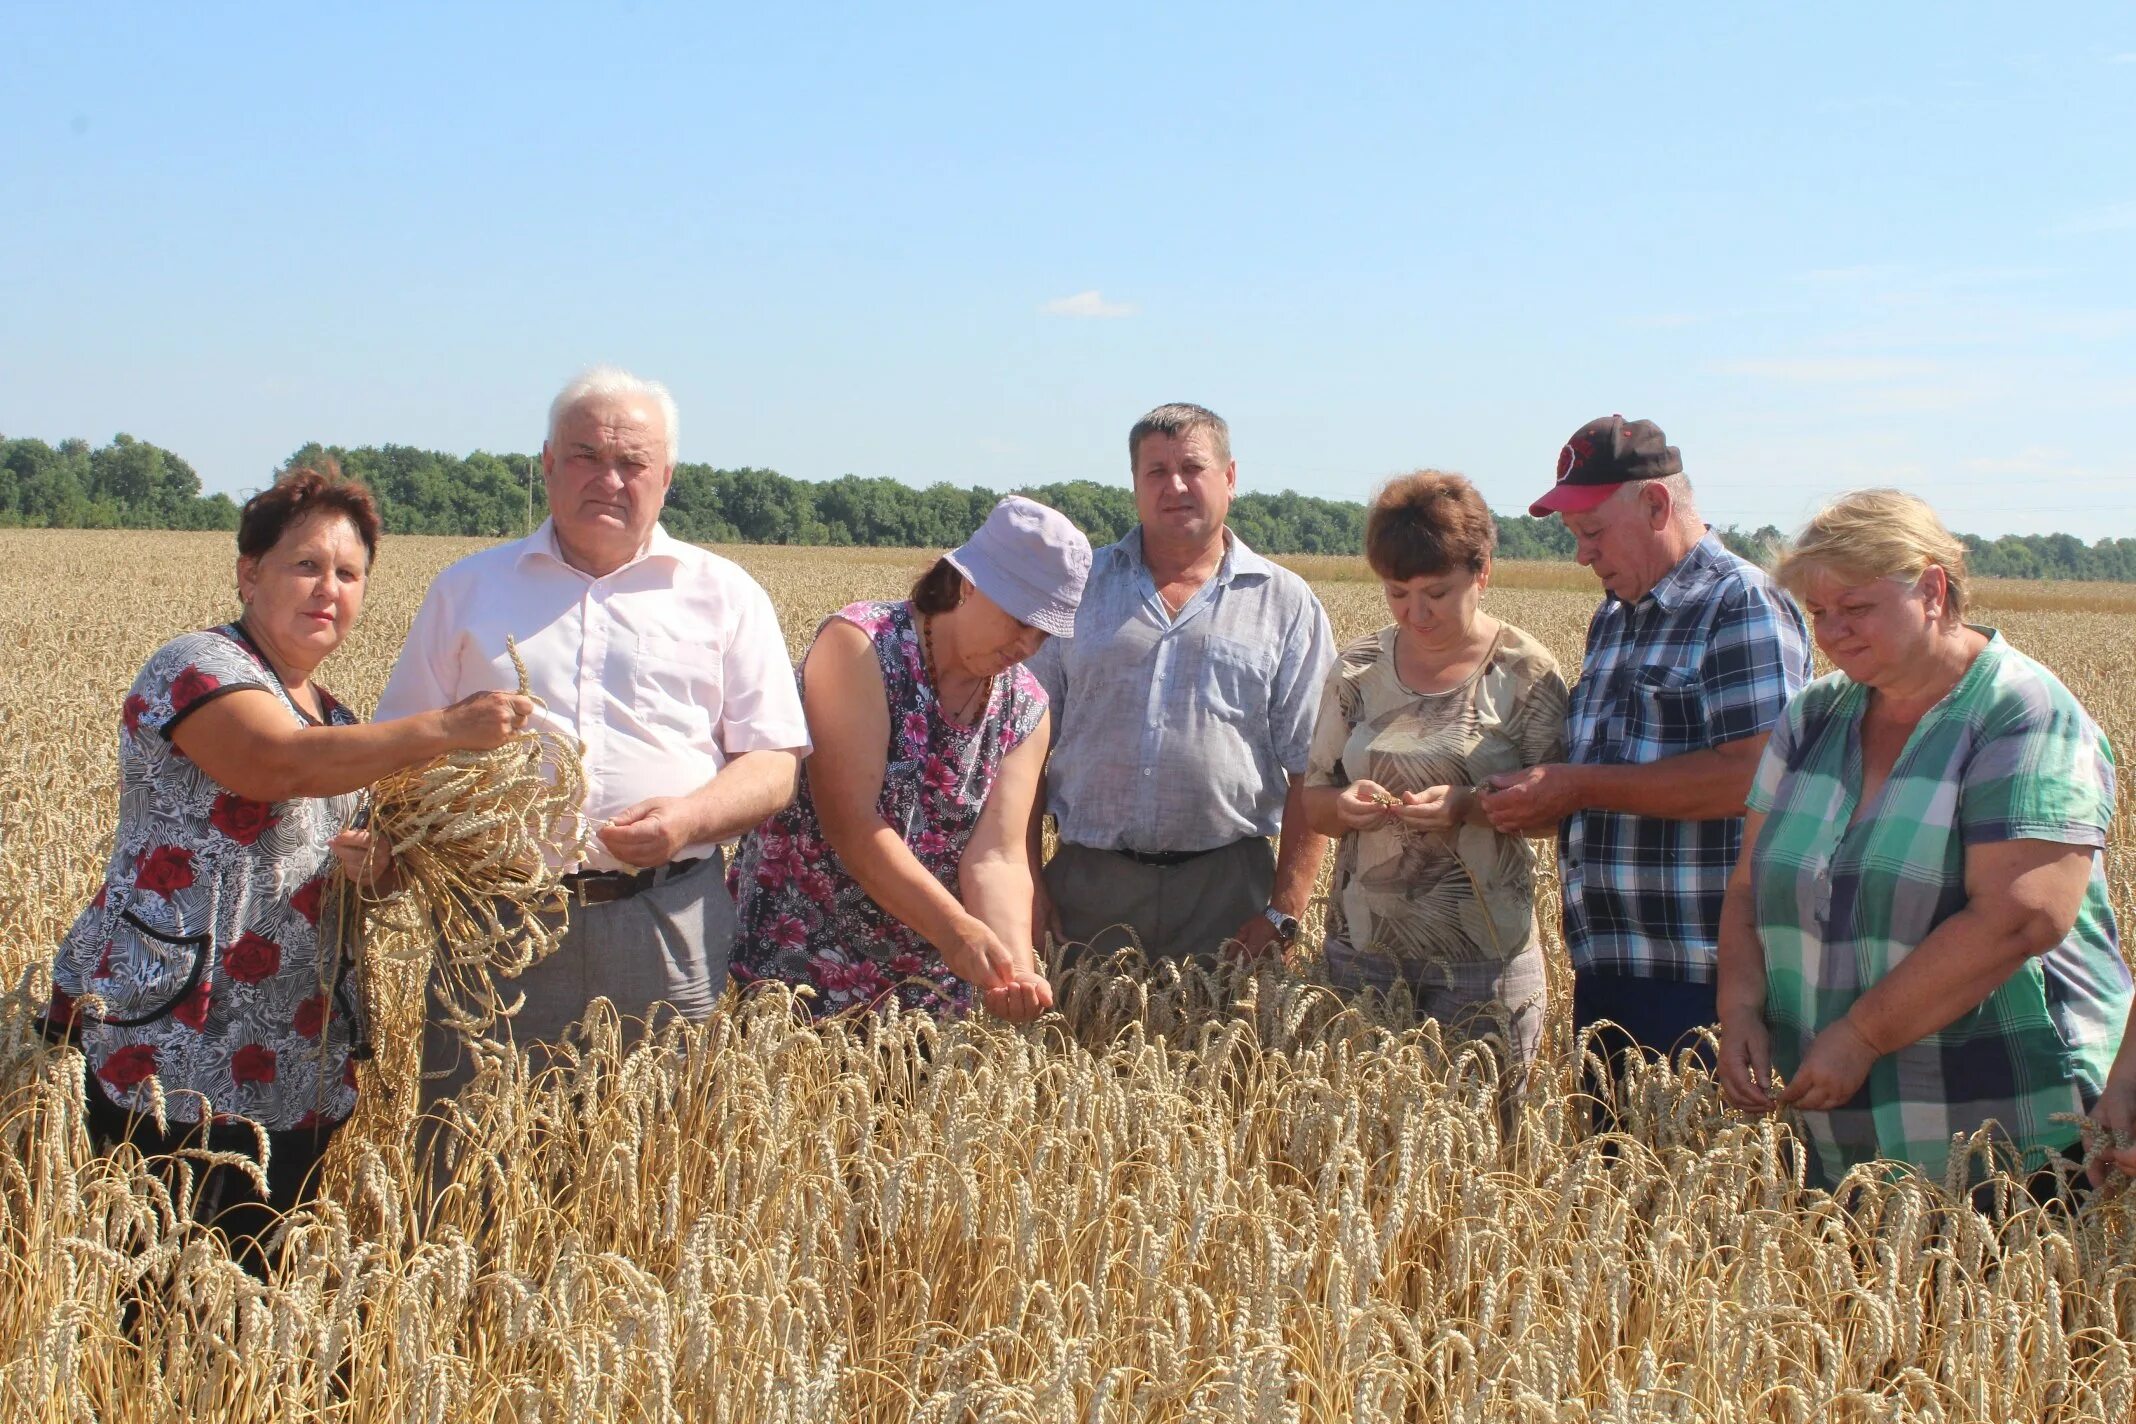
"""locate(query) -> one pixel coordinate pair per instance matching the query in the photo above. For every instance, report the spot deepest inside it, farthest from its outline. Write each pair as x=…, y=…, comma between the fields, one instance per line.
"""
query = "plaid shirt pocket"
x=1665, y=714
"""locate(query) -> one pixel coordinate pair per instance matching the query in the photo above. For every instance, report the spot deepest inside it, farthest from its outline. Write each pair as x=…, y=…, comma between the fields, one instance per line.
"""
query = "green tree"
x=131, y=483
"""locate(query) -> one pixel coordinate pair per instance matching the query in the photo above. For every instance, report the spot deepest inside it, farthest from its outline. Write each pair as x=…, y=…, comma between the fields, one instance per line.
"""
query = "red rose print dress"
x=804, y=919
x=198, y=963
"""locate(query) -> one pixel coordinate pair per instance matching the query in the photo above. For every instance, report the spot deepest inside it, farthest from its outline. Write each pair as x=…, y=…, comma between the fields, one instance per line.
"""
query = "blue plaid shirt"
x=1711, y=655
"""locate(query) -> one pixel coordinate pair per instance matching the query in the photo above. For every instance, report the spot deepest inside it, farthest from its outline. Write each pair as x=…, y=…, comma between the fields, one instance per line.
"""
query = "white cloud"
x=1831, y=370
x=1088, y=304
x=1669, y=321
x=2128, y=57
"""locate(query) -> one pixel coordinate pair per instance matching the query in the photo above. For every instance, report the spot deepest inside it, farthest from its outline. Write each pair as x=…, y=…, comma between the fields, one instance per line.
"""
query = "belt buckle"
x=1159, y=859
x=603, y=890
x=605, y=887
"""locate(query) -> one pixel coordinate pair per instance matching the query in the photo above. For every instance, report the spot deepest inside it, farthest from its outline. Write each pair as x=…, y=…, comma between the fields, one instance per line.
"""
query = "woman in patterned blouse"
x=1413, y=717
x=900, y=872
x=196, y=982
x=1917, y=937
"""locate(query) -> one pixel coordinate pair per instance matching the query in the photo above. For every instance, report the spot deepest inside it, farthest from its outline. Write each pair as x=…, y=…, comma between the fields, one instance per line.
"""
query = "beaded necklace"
x=967, y=711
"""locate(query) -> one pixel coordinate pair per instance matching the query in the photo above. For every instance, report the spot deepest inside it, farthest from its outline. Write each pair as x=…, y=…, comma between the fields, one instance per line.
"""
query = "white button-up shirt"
x=665, y=669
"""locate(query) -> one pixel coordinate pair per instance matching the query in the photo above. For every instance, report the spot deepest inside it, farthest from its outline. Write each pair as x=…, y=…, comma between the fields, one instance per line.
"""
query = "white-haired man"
x=666, y=662
x=1689, y=662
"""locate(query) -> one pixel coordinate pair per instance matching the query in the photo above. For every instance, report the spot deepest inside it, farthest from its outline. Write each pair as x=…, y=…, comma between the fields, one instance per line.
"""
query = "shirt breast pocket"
x=1234, y=679
x=1666, y=712
x=676, y=686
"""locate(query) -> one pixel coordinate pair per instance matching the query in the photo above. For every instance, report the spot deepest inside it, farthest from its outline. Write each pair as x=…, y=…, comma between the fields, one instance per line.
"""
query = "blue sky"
x=1823, y=245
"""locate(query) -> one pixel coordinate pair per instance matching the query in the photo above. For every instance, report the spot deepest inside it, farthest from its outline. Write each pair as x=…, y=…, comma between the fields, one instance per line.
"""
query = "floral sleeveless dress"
x=804, y=919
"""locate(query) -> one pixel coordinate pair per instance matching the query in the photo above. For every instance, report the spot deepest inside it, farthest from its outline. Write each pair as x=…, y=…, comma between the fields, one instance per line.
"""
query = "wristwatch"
x=1286, y=925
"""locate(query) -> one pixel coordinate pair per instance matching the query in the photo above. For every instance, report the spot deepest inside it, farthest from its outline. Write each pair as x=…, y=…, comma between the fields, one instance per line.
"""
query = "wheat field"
x=1217, y=1196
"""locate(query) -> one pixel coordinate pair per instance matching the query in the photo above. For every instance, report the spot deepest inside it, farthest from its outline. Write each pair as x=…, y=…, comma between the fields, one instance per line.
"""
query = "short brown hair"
x=1872, y=534
x=318, y=488
x=1180, y=419
x=938, y=590
x=1428, y=523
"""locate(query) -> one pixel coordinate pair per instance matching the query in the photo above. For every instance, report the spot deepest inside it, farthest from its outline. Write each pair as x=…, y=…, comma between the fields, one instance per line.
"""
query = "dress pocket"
x=152, y=971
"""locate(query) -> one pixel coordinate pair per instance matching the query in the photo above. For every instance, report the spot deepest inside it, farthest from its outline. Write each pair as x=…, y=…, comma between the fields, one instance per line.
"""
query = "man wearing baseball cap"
x=1690, y=660
x=1183, y=718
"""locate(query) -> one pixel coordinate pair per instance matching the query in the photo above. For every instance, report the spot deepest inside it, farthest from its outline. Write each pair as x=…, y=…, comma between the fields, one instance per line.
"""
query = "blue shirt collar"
x=1695, y=573
x=1240, y=562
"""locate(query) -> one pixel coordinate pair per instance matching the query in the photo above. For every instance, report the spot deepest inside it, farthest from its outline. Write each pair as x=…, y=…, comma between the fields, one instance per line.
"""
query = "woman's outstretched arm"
x=246, y=741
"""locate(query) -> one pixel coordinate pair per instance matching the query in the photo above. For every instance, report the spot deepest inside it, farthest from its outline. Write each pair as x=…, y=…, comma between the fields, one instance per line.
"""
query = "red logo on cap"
x=1572, y=457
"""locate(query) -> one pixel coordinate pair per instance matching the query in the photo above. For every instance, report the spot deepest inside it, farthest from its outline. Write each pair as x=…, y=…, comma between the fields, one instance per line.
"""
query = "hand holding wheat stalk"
x=476, y=840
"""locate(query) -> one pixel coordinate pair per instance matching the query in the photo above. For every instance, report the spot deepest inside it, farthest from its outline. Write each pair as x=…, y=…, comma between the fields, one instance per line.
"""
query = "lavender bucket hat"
x=1031, y=561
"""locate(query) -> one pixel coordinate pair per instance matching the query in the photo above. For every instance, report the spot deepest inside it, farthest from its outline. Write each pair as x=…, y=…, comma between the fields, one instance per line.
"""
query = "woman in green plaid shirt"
x=1917, y=935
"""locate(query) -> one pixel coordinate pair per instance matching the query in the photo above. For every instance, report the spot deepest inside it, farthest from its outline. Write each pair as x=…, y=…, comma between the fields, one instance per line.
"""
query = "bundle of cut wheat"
x=477, y=839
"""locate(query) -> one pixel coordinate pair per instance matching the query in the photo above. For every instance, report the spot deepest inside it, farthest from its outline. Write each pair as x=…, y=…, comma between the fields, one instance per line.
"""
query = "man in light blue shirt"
x=1182, y=715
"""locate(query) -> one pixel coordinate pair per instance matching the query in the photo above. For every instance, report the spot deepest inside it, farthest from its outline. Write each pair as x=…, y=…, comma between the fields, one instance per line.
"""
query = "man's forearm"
x=1466, y=807
x=1323, y=812
x=749, y=789
x=1693, y=786
x=1298, y=856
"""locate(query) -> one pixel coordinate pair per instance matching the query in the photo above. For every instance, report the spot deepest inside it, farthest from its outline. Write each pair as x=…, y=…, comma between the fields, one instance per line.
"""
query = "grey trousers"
x=663, y=951
x=1174, y=912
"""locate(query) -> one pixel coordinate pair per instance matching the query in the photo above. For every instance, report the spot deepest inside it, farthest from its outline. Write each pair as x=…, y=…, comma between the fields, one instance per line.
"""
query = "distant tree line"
x=131, y=484
x=128, y=484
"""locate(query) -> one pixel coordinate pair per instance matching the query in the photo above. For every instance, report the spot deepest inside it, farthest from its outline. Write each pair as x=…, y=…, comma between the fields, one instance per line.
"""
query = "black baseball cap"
x=1600, y=456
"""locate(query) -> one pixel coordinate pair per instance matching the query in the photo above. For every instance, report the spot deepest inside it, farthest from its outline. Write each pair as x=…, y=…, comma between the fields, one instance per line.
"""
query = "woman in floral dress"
x=900, y=871
x=196, y=982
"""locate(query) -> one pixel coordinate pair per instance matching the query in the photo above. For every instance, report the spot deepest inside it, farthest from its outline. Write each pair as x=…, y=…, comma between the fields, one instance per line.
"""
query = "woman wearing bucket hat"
x=900, y=870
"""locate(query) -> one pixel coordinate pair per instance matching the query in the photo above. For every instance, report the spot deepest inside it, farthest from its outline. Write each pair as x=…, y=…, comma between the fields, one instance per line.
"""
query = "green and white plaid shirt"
x=2008, y=754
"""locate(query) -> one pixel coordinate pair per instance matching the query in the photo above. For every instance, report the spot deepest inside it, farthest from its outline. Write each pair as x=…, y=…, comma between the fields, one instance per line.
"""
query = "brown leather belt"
x=605, y=887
